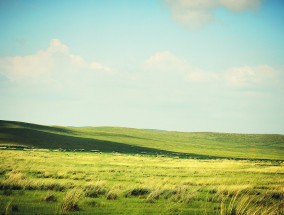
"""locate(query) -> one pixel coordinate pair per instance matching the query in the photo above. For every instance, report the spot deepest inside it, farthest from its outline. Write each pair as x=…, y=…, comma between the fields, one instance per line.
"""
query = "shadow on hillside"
x=46, y=140
x=12, y=124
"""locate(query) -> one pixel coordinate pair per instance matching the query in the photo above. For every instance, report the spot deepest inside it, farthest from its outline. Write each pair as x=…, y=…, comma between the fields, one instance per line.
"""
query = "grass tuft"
x=138, y=191
x=245, y=204
x=112, y=195
x=154, y=195
x=71, y=200
x=50, y=197
x=94, y=190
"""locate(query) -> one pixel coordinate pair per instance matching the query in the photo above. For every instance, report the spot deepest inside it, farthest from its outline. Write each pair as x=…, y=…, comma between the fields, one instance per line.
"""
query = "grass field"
x=136, y=171
x=131, y=141
x=35, y=182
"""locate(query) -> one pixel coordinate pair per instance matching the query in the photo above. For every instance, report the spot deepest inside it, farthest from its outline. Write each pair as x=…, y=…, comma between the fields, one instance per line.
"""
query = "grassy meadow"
x=132, y=141
x=67, y=170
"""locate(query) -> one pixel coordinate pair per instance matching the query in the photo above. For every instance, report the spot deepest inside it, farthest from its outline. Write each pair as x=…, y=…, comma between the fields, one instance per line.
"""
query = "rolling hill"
x=145, y=141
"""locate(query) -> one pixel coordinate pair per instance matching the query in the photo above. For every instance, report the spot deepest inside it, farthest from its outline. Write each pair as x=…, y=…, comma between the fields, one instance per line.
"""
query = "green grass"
x=132, y=141
x=54, y=170
x=38, y=182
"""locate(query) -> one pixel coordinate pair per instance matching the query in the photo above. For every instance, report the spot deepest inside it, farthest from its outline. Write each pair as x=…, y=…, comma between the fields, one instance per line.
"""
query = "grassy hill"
x=131, y=141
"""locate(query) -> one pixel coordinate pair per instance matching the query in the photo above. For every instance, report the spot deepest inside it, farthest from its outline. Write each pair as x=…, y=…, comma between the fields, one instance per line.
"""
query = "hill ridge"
x=132, y=140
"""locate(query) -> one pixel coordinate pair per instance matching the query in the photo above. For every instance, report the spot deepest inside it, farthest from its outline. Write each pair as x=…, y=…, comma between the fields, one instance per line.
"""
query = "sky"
x=181, y=65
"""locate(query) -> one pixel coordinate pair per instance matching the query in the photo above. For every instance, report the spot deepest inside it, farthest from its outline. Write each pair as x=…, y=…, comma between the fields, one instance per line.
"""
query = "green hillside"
x=131, y=141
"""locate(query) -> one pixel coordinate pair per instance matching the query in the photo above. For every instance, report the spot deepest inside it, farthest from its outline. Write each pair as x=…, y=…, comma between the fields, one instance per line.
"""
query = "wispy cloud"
x=250, y=76
x=56, y=61
x=164, y=62
x=199, y=75
x=195, y=13
x=245, y=76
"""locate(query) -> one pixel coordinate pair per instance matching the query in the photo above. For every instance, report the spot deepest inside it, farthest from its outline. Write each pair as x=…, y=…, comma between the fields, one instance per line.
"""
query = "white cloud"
x=239, y=5
x=202, y=76
x=249, y=76
x=47, y=64
x=165, y=62
x=195, y=13
x=162, y=63
x=246, y=76
x=57, y=46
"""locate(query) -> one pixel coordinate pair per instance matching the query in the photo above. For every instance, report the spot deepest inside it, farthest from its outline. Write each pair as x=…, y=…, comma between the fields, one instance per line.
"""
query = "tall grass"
x=10, y=208
x=243, y=203
x=50, y=197
x=112, y=195
x=95, y=189
x=71, y=201
x=144, y=184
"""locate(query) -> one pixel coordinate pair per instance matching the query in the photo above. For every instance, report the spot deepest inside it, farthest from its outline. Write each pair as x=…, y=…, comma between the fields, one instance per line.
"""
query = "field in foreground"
x=48, y=182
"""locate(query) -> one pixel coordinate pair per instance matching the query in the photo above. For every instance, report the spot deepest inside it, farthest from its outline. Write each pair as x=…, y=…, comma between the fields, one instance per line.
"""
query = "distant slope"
x=129, y=140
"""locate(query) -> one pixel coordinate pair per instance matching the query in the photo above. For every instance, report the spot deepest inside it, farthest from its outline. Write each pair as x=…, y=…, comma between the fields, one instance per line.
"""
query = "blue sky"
x=187, y=65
